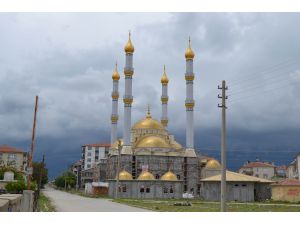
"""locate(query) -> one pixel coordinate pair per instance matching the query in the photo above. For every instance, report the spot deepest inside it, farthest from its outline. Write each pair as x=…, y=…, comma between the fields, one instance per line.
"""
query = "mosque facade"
x=148, y=162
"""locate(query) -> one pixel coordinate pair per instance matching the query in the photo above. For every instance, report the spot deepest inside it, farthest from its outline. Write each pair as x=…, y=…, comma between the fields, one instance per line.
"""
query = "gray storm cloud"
x=68, y=58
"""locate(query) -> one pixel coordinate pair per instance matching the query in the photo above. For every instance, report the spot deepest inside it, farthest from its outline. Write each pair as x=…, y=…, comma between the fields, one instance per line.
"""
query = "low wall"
x=286, y=193
x=17, y=202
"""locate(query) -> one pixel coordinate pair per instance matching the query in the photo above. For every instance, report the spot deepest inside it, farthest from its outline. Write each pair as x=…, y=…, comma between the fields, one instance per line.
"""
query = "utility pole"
x=223, y=145
x=118, y=169
x=30, y=156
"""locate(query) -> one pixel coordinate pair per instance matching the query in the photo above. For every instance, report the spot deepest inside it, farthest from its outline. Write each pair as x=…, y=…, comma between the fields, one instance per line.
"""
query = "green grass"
x=44, y=204
x=201, y=206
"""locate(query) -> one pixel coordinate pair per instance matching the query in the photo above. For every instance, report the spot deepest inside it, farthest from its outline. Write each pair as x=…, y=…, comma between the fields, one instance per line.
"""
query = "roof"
x=257, y=164
x=288, y=182
x=97, y=145
x=237, y=177
x=8, y=149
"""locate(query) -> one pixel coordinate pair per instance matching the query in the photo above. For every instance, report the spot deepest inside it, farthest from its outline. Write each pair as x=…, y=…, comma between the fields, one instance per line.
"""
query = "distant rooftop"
x=257, y=164
x=288, y=182
x=97, y=145
x=9, y=149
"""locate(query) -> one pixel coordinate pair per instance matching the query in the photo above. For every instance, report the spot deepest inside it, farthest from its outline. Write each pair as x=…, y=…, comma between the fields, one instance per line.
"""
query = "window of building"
x=147, y=190
x=178, y=176
x=265, y=176
x=236, y=185
x=96, y=158
x=142, y=189
x=1, y=155
x=157, y=176
x=89, y=160
x=244, y=185
x=171, y=190
x=89, y=154
x=88, y=165
x=165, y=190
x=11, y=156
x=89, y=148
x=124, y=188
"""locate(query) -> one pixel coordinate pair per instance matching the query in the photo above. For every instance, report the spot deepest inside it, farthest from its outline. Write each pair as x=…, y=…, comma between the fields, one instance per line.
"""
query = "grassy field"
x=200, y=206
x=44, y=204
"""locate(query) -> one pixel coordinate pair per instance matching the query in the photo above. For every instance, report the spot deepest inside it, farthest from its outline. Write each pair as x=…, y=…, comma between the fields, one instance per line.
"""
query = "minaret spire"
x=164, y=99
x=189, y=102
x=128, y=99
x=115, y=99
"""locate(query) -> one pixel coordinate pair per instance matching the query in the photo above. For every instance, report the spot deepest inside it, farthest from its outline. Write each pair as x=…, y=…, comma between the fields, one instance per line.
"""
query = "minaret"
x=114, y=112
x=164, y=99
x=189, y=102
x=128, y=71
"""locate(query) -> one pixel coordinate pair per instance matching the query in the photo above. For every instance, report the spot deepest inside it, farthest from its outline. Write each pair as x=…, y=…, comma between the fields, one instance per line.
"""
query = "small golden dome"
x=169, y=176
x=148, y=123
x=213, y=164
x=176, y=145
x=145, y=175
x=124, y=175
x=164, y=78
x=189, y=54
x=152, y=142
x=116, y=144
x=129, y=48
x=115, y=75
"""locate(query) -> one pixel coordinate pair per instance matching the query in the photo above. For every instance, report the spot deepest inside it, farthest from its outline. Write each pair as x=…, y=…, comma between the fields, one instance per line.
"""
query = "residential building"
x=93, y=153
x=10, y=156
x=281, y=171
x=293, y=170
x=258, y=169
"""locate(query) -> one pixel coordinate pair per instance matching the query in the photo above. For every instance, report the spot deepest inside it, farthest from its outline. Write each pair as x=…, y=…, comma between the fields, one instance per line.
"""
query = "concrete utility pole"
x=223, y=145
x=118, y=169
x=30, y=156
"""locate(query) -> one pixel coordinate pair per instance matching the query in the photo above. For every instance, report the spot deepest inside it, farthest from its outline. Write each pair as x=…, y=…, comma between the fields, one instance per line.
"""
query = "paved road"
x=66, y=202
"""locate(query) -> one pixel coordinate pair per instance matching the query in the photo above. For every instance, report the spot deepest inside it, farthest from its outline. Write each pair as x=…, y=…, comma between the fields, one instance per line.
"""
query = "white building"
x=93, y=153
x=293, y=169
x=258, y=169
x=10, y=156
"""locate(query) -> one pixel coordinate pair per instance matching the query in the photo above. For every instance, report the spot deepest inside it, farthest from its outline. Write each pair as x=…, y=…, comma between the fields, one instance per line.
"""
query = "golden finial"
x=116, y=75
x=148, y=112
x=129, y=46
x=164, y=78
x=189, y=54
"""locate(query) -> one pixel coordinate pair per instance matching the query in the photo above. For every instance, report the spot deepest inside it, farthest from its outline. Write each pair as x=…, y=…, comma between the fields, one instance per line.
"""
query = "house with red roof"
x=258, y=169
x=13, y=157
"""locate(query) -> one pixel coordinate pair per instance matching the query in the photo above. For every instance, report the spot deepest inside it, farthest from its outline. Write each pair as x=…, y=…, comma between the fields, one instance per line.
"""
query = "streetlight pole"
x=223, y=146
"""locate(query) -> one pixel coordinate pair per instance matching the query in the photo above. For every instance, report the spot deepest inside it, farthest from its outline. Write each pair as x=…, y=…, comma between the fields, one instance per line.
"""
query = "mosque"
x=148, y=162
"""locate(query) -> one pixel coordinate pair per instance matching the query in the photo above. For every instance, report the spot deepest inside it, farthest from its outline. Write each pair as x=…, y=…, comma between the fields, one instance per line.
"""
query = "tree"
x=40, y=168
x=67, y=179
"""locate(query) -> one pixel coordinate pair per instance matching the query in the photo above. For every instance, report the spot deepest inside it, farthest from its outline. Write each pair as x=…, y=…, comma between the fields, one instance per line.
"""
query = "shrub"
x=15, y=187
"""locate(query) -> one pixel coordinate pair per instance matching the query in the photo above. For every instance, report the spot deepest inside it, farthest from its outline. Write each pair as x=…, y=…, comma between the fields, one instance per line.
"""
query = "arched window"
x=157, y=176
x=142, y=189
x=124, y=188
x=178, y=176
x=171, y=190
x=147, y=190
x=165, y=190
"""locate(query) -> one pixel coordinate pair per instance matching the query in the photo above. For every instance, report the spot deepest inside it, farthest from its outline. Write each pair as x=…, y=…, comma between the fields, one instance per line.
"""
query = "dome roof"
x=176, y=145
x=152, y=141
x=189, y=54
x=164, y=78
x=116, y=143
x=148, y=123
x=124, y=175
x=169, y=176
x=129, y=48
x=213, y=164
x=115, y=75
x=145, y=175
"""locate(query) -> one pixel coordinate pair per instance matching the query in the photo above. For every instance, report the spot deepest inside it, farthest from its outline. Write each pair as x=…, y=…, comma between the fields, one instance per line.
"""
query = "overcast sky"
x=68, y=58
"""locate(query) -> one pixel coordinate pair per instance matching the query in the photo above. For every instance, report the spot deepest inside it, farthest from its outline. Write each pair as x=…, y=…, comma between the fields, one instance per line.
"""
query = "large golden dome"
x=129, y=48
x=152, y=141
x=148, y=123
x=169, y=176
x=145, y=175
x=124, y=175
x=213, y=164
